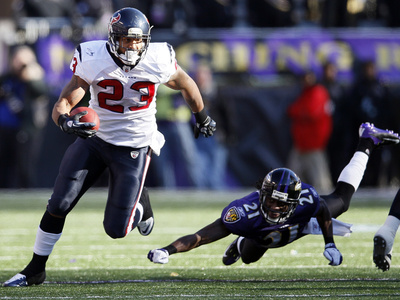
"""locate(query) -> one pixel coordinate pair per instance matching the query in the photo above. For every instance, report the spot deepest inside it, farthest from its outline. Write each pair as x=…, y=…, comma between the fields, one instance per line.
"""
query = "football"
x=91, y=116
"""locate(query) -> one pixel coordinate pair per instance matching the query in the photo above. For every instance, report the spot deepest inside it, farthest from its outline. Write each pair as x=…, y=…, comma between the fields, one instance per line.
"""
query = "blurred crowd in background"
x=181, y=14
x=254, y=118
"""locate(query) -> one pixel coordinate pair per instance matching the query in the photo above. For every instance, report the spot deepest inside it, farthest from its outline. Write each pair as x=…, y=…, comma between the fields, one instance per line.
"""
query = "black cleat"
x=381, y=259
x=231, y=254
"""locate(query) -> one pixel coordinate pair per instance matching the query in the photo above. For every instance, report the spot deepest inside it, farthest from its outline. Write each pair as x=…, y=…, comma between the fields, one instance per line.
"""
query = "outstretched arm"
x=325, y=222
x=206, y=235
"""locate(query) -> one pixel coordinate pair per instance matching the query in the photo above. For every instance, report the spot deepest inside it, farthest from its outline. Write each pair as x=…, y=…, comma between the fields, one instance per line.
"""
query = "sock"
x=145, y=202
x=354, y=171
x=45, y=242
x=52, y=224
x=36, y=265
x=139, y=207
x=388, y=232
x=365, y=145
x=392, y=222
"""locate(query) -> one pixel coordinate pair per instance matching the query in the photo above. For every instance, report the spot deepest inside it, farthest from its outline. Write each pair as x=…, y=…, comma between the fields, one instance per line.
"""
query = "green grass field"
x=87, y=264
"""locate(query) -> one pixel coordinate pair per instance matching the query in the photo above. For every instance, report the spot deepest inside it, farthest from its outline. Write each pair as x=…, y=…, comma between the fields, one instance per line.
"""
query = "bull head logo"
x=115, y=19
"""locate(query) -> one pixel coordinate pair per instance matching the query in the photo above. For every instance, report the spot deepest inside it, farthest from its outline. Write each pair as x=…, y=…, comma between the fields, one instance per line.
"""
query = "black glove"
x=204, y=124
x=71, y=124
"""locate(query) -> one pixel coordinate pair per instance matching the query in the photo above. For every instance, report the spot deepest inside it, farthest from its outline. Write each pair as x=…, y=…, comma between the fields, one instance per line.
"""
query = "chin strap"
x=131, y=56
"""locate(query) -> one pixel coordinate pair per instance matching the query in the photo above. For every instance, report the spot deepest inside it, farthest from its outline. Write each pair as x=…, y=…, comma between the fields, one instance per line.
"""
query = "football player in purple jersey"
x=278, y=212
x=122, y=75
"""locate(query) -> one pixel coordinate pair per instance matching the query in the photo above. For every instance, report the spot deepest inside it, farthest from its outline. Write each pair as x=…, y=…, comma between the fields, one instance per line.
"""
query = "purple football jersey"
x=244, y=217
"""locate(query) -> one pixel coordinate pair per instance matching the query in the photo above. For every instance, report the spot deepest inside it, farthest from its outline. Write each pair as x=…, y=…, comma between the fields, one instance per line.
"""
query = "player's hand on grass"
x=159, y=256
x=333, y=254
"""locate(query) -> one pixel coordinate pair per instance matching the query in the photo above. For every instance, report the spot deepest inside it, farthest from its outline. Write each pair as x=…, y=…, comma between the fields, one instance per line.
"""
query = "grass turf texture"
x=87, y=264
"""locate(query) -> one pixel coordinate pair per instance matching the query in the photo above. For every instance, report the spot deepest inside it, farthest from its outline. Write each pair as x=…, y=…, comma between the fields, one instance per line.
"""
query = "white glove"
x=333, y=254
x=159, y=256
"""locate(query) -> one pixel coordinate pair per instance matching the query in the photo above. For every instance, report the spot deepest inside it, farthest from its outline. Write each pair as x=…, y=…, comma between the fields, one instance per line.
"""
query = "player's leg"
x=350, y=177
x=246, y=249
x=79, y=169
x=124, y=211
x=384, y=237
x=146, y=224
x=251, y=251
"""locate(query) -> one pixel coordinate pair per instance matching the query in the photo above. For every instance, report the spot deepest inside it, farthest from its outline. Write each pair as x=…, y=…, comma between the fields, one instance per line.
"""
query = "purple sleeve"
x=242, y=216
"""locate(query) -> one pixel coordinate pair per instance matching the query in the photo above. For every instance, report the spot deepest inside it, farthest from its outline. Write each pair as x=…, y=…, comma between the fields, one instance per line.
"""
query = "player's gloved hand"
x=72, y=124
x=333, y=254
x=159, y=256
x=204, y=124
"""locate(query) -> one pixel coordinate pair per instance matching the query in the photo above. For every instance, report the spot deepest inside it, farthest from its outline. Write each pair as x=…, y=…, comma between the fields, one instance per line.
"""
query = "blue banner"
x=260, y=53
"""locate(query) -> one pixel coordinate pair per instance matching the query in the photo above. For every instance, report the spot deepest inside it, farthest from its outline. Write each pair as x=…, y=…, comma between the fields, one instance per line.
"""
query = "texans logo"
x=115, y=19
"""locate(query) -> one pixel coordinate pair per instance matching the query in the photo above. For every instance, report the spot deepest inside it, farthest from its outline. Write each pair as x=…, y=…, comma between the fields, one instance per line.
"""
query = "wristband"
x=330, y=245
x=61, y=120
x=170, y=249
x=200, y=116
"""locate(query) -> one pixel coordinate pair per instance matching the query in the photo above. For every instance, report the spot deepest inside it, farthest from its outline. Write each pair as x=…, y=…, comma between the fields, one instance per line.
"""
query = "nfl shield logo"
x=134, y=154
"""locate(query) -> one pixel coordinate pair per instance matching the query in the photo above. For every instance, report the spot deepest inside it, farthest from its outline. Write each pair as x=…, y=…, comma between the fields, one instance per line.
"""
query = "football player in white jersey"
x=122, y=76
x=385, y=236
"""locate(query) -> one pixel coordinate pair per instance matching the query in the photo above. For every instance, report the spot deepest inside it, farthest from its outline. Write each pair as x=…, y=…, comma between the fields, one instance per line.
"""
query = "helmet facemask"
x=131, y=57
x=284, y=187
x=285, y=211
x=135, y=26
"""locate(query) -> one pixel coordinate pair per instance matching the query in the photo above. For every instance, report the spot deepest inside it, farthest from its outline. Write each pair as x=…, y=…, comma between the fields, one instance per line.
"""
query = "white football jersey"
x=124, y=97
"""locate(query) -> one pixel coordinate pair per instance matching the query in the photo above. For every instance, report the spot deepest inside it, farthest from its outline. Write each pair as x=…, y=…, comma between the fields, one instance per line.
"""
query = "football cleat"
x=380, y=137
x=146, y=225
x=383, y=244
x=232, y=254
x=381, y=259
x=21, y=280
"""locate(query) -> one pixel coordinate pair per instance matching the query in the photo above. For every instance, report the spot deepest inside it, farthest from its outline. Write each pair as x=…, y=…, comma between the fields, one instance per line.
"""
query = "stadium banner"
x=260, y=53
x=295, y=50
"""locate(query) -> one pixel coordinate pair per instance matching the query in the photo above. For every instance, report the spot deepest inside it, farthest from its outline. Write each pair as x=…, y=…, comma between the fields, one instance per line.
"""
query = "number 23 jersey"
x=125, y=97
x=243, y=217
